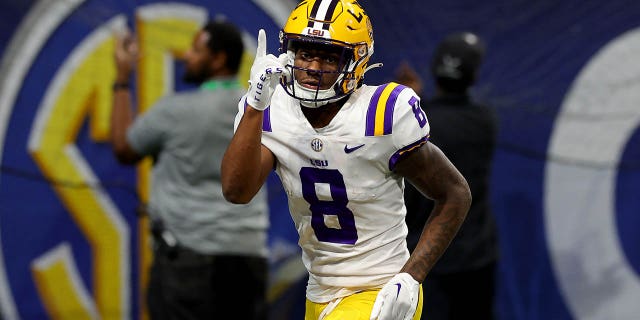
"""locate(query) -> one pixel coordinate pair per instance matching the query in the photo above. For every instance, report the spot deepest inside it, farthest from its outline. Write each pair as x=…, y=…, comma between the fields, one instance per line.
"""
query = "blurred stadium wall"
x=564, y=77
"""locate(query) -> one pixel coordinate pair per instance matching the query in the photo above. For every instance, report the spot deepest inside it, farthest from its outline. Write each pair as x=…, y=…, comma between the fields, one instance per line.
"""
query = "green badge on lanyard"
x=220, y=84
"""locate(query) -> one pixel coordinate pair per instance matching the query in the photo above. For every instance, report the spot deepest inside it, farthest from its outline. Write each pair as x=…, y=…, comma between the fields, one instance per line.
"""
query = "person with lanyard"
x=209, y=254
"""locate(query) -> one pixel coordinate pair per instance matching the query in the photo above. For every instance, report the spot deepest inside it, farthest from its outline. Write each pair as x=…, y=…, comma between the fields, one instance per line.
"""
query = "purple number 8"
x=347, y=233
x=417, y=111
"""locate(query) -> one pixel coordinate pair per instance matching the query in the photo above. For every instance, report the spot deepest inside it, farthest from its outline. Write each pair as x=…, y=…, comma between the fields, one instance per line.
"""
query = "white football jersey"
x=344, y=198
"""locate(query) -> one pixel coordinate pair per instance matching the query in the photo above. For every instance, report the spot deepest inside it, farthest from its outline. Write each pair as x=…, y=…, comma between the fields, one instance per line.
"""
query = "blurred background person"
x=209, y=254
x=461, y=284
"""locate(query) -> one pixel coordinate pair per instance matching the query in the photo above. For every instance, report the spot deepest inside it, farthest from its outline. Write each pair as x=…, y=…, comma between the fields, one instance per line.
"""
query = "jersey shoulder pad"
x=382, y=105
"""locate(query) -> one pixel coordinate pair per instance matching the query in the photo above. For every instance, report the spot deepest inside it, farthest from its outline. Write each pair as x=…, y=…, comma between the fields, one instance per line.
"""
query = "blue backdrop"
x=562, y=75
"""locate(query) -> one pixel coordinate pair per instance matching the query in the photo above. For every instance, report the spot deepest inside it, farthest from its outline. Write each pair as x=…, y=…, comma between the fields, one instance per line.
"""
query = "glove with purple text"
x=266, y=72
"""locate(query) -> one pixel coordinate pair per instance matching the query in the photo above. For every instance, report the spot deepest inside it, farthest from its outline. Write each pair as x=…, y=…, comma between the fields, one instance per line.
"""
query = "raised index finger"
x=262, y=44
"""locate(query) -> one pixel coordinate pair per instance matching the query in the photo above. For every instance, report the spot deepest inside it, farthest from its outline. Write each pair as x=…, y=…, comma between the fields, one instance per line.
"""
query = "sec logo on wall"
x=72, y=244
x=565, y=184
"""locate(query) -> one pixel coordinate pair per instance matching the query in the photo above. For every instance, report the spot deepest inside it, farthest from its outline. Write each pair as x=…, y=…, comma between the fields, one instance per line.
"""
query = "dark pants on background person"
x=187, y=285
x=460, y=296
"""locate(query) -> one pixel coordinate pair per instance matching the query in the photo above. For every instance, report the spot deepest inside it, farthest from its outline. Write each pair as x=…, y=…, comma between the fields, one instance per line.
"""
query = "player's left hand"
x=397, y=300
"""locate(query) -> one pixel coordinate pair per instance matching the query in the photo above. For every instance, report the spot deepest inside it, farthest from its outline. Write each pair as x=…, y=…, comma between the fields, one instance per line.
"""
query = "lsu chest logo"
x=72, y=245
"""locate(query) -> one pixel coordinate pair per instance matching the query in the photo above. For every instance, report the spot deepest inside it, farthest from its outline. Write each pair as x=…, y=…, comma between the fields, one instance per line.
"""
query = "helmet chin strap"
x=318, y=104
x=313, y=104
x=311, y=96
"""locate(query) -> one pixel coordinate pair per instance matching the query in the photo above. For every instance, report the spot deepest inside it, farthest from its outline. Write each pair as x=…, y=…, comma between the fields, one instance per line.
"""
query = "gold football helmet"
x=337, y=23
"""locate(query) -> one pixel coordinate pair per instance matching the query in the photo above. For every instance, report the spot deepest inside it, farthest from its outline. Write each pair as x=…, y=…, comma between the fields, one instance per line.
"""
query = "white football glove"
x=266, y=72
x=397, y=300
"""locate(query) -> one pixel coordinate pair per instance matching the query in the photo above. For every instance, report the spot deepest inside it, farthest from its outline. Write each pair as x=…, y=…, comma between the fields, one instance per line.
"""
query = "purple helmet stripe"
x=330, y=10
x=370, y=127
x=313, y=13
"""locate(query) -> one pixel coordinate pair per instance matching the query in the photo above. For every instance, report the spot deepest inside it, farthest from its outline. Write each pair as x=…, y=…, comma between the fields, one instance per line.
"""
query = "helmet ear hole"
x=361, y=51
x=351, y=84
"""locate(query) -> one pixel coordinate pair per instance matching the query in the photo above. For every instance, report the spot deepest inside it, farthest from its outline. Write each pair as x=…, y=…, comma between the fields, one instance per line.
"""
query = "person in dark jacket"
x=461, y=284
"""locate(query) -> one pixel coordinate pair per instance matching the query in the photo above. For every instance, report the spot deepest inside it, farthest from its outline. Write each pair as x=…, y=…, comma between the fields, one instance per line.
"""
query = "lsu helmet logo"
x=315, y=32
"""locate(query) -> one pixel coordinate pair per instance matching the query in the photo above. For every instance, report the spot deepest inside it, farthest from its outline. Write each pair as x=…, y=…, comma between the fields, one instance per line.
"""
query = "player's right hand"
x=266, y=72
x=125, y=55
x=398, y=299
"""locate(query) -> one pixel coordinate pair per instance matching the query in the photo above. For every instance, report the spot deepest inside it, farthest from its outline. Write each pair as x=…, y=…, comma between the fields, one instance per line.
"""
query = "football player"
x=341, y=149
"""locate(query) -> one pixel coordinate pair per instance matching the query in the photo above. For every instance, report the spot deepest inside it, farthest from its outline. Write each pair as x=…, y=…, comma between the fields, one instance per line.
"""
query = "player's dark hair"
x=225, y=36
